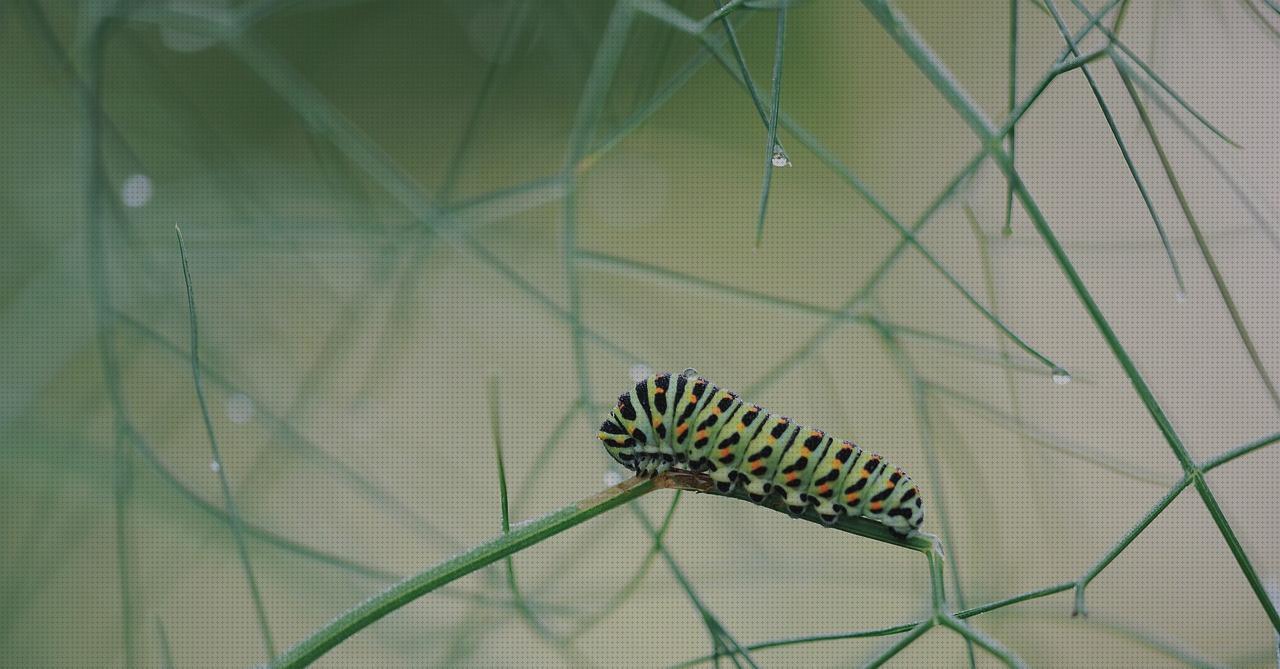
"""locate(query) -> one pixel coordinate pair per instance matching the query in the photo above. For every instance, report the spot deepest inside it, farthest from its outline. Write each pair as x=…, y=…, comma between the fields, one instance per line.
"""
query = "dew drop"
x=239, y=409
x=214, y=466
x=780, y=158
x=640, y=372
x=1061, y=376
x=1180, y=296
x=612, y=478
x=136, y=191
x=689, y=373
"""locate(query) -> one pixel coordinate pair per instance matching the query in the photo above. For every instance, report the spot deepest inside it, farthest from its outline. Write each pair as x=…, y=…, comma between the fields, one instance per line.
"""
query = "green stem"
x=916, y=632
x=942, y=79
x=1124, y=542
x=406, y=591
x=1234, y=453
x=228, y=500
x=995, y=648
x=1124, y=149
x=1219, y=281
x=771, y=147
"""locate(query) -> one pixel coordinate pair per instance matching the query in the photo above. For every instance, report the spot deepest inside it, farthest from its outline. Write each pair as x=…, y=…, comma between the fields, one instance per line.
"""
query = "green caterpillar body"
x=683, y=421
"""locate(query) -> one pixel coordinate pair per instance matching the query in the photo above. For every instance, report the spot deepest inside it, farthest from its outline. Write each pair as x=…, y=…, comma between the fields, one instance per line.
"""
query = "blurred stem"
x=233, y=517
x=1201, y=242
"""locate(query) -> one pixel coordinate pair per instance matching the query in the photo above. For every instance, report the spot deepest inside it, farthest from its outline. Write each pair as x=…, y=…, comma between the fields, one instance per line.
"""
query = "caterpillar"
x=683, y=421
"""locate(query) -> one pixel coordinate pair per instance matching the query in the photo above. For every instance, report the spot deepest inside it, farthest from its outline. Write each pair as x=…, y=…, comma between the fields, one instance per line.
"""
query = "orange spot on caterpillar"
x=724, y=452
x=824, y=489
x=875, y=507
x=681, y=429
x=772, y=440
x=791, y=476
x=657, y=421
x=701, y=434
x=852, y=498
x=805, y=452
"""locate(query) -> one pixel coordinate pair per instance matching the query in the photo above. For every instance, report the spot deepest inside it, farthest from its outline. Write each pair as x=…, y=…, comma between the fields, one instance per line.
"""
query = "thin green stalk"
x=1237, y=551
x=543, y=459
x=607, y=57
x=772, y=153
x=495, y=426
x=1201, y=242
x=924, y=58
x=1064, y=65
x=915, y=633
x=1016, y=599
x=121, y=492
x=989, y=283
x=674, y=84
x=325, y=119
x=1096, y=457
x=1253, y=9
x=153, y=459
x=1151, y=74
x=667, y=37
x=939, y=508
x=1124, y=542
x=627, y=590
x=995, y=648
x=294, y=439
x=1124, y=149
x=166, y=652
x=228, y=501
x=719, y=634
x=651, y=272
x=919, y=52
x=1234, y=453
x=894, y=629
x=909, y=236
x=1011, y=138
x=721, y=12
x=520, y=537
x=1259, y=219
x=516, y=14
x=744, y=74
x=96, y=220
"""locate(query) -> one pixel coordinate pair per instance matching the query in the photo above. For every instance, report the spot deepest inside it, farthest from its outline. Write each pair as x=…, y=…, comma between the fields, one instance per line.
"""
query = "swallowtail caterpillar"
x=683, y=421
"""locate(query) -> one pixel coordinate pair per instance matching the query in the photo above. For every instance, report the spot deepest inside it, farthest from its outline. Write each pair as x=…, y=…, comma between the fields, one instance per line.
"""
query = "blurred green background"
x=385, y=213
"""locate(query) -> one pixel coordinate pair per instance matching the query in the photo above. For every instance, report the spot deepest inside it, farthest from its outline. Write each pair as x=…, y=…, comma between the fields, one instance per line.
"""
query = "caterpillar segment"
x=684, y=421
x=729, y=451
x=824, y=487
x=722, y=405
x=797, y=465
x=692, y=396
x=761, y=458
x=860, y=484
